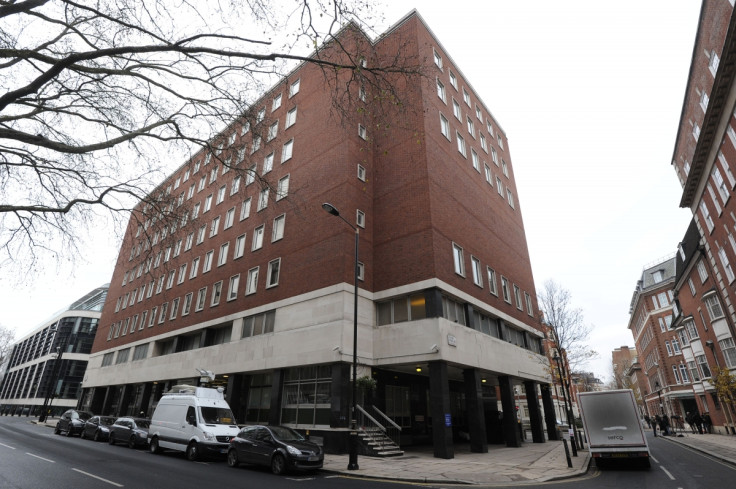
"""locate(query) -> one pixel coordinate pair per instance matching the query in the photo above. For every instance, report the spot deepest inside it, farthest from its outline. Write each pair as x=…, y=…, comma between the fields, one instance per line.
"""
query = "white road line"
x=7, y=446
x=667, y=472
x=655, y=460
x=98, y=478
x=46, y=459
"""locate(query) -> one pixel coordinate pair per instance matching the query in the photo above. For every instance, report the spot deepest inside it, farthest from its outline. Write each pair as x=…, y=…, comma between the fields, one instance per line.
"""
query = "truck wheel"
x=153, y=447
x=278, y=464
x=232, y=458
x=192, y=451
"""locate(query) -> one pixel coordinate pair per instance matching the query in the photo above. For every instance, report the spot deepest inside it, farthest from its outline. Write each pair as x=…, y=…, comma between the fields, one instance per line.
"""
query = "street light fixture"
x=353, y=437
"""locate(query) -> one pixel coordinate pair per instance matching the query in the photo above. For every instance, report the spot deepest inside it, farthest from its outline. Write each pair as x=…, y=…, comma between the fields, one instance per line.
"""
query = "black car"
x=131, y=431
x=278, y=447
x=72, y=422
x=97, y=428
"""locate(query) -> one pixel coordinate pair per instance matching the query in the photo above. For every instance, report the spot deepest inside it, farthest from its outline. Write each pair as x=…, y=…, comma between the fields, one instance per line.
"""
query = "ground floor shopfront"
x=676, y=404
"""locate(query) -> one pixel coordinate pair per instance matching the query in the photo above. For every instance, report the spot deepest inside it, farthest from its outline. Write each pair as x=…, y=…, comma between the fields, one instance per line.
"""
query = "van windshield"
x=213, y=415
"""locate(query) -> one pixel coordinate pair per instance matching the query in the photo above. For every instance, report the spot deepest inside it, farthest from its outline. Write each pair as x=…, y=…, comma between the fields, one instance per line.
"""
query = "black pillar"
x=340, y=388
x=439, y=399
x=123, y=405
x=107, y=401
x=535, y=414
x=549, y=412
x=145, y=399
x=277, y=384
x=511, y=433
x=237, y=395
x=476, y=417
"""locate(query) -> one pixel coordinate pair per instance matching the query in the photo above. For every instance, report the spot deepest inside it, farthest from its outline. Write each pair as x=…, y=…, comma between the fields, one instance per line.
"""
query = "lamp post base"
x=353, y=448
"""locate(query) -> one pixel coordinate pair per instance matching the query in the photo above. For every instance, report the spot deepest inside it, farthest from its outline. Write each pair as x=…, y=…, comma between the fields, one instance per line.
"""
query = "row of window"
x=477, y=270
x=159, y=314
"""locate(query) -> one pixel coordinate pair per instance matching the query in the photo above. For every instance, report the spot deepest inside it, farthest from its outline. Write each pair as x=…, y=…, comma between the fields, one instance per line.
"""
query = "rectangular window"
x=726, y=265
x=529, y=307
x=692, y=330
x=256, y=144
x=702, y=271
x=458, y=260
x=466, y=97
x=510, y=197
x=505, y=289
x=221, y=194
x=361, y=271
x=444, y=126
x=276, y=102
x=262, y=200
x=189, y=242
x=706, y=215
x=239, y=246
x=251, y=285
x=282, y=189
x=268, y=163
x=517, y=297
x=294, y=88
x=441, y=91
x=287, y=150
x=235, y=185
x=477, y=274
x=207, y=203
x=273, y=129
x=245, y=209
x=290, y=118
x=232, y=289
x=272, y=278
x=461, y=145
x=437, y=59
x=162, y=315
x=360, y=218
x=703, y=365
x=713, y=61
x=492, y=280
x=362, y=132
x=714, y=307
x=453, y=80
x=676, y=373
x=278, y=227
x=201, y=297
x=224, y=250
x=361, y=172
x=207, y=266
x=216, y=292
x=174, y=309
x=257, y=238
x=489, y=175
x=182, y=273
x=728, y=347
x=471, y=126
x=683, y=373
x=186, y=308
x=229, y=218
x=215, y=226
x=195, y=268
x=261, y=114
x=475, y=160
x=456, y=111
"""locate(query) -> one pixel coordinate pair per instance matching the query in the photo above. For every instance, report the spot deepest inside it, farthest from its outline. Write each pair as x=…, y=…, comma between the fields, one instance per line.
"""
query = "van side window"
x=191, y=414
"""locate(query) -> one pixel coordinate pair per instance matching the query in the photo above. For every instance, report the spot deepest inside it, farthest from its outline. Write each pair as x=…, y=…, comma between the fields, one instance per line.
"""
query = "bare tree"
x=568, y=331
x=7, y=336
x=100, y=99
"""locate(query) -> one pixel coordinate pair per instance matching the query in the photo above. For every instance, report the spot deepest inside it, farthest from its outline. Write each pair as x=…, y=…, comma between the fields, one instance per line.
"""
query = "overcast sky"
x=589, y=94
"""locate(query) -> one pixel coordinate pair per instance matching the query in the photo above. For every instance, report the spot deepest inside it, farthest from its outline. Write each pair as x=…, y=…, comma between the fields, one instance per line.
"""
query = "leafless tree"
x=568, y=331
x=7, y=336
x=100, y=100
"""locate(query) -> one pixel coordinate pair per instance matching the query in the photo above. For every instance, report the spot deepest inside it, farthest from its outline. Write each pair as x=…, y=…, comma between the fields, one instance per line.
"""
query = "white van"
x=195, y=420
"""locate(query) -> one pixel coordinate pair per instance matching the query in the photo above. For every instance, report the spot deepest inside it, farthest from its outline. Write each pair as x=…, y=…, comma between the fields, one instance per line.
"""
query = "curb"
x=716, y=456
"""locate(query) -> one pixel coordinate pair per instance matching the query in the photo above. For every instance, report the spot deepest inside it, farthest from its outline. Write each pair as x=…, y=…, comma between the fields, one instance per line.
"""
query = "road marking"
x=7, y=446
x=655, y=460
x=98, y=478
x=32, y=455
x=667, y=472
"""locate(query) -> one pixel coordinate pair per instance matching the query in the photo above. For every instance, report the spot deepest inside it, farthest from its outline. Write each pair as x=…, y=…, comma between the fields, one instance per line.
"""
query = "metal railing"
x=368, y=423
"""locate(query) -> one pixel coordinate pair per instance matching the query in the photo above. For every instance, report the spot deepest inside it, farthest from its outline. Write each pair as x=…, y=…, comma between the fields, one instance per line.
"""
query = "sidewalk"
x=721, y=447
x=532, y=462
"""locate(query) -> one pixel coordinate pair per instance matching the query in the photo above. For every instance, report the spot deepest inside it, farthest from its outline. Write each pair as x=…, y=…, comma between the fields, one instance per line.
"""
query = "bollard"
x=567, y=454
x=571, y=434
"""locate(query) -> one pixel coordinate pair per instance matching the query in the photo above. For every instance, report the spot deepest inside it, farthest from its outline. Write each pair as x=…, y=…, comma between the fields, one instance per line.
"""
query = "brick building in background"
x=704, y=159
x=256, y=285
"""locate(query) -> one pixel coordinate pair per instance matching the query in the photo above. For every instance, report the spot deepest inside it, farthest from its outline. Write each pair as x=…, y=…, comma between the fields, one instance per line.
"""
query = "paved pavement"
x=719, y=446
x=532, y=462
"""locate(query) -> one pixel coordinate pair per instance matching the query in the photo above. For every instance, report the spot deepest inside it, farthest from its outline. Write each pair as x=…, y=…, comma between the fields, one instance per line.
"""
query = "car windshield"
x=286, y=434
x=142, y=423
x=213, y=415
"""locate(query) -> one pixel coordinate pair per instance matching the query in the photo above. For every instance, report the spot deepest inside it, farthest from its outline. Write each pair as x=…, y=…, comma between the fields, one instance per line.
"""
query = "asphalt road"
x=31, y=456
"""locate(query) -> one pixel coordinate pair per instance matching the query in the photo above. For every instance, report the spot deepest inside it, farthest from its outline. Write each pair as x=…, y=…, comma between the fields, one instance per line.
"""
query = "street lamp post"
x=659, y=393
x=568, y=410
x=50, y=391
x=353, y=437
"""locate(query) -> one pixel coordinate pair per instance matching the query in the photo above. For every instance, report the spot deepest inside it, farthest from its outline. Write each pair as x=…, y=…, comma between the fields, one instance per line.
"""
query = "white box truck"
x=194, y=420
x=612, y=425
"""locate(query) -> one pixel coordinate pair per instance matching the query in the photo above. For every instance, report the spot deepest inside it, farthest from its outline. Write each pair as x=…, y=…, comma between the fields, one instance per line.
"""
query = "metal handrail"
x=371, y=418
x=387, y=418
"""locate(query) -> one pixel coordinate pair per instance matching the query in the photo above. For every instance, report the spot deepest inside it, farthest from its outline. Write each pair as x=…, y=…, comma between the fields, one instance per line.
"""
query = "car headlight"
x=208, y=436
x=293, y=450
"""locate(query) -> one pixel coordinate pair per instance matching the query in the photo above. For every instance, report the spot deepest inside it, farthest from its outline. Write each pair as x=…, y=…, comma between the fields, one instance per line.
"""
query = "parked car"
x=72, y=422
x=131, y=431
x=278, y=447
x=97, y=428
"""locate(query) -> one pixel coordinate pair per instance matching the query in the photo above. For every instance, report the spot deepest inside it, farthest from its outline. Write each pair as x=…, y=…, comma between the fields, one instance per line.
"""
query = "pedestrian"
x=657, y=424
x=666, y=421
x=707, y=422
x=648, y=420
x=698, y=422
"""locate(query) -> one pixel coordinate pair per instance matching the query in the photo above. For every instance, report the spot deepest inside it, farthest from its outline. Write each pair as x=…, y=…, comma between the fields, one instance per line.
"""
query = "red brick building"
x=256, y=284
x=705, y=160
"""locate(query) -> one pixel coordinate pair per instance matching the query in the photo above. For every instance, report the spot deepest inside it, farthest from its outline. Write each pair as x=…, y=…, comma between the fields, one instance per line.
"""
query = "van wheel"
x=153, y=447
x=232, y=458
x=192, y=451
x=278, y=464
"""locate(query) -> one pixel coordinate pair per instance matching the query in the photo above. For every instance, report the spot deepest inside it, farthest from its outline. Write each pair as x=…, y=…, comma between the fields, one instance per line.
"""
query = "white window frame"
x=232, y=289
x=477, y=274
x=282, y=187
x=224, y=250
x=258, y=238
x=290, y=118
x=251, y=286
x=279, y=223
x=287, y=150
x=245, y=209
x=458, y=259
x=274, y=267
x=360, y=218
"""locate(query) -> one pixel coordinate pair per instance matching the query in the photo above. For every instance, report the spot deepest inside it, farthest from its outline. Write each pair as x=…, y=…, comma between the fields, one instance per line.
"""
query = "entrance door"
x=397, y=405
